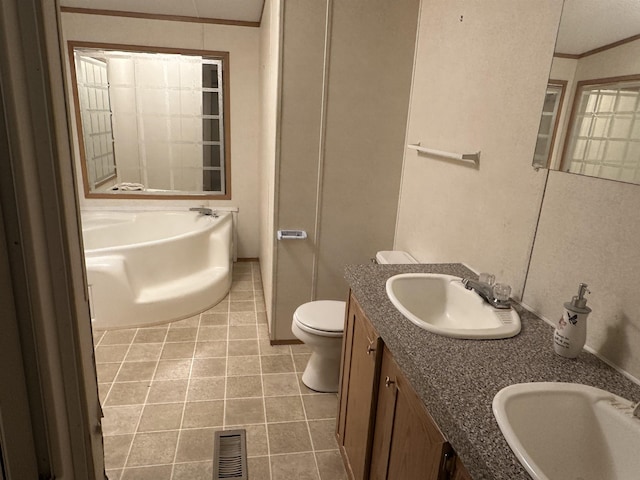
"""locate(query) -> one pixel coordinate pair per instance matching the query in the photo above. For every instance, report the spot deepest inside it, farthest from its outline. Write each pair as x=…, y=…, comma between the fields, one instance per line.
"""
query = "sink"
x=441, y=304
x=569, y=431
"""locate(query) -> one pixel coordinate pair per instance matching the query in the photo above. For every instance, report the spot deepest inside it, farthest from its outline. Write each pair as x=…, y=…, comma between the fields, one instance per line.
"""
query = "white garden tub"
x=145, y=268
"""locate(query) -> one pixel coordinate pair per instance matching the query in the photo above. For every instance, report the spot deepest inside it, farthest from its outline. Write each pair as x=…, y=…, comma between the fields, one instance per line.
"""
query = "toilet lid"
x=323, y=315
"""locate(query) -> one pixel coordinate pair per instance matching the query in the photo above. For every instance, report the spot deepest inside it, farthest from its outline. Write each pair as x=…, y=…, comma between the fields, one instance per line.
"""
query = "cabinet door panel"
x=358, y=391
x=407, y=444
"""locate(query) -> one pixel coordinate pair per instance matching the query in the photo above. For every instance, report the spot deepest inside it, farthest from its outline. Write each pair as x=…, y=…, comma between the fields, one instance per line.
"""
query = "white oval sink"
x=441, y=304
x=569, y=431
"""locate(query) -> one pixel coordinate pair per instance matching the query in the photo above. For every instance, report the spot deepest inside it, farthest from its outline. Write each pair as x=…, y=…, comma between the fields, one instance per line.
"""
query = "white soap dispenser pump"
x=571, y=330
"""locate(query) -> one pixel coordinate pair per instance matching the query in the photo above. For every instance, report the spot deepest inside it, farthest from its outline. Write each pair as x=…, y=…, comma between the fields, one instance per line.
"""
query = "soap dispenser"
x=571, y=329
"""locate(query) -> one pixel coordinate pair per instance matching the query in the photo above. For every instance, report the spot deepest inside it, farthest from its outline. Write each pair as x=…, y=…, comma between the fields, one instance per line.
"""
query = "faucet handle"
x=501, y=292
x=488, y=278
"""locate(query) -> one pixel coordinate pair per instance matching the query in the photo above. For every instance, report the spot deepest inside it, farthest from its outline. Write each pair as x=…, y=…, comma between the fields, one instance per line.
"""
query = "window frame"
x=221, y=56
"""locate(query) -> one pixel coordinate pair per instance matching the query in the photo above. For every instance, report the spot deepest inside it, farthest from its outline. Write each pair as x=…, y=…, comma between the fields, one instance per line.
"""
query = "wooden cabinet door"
x=358, y=391
x=407, y=444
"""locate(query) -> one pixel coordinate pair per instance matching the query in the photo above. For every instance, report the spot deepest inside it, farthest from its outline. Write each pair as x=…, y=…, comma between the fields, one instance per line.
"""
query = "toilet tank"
x=394, y=256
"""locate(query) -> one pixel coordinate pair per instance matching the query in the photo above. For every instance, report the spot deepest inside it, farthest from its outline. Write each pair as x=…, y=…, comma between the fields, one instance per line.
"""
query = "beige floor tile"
x=284, y=409
x=203, y=414
x=187, y=334
x=244, y=411
x=136, y=371
x=278, y=384
x=277, y=364
x=162, y=416
x=213, y=334
x=267, y=349
x=128, y=393
x=154, y=448
x=258, y=467
x=323, y=434
x=140, y=352
x=194, y=471
x=173, y=369
x=300, y=348
x=114, y=474
x=249, y=365
x=242, y=285
x=151, y=335
x=187, y=322
x=256, y=439
x=242, y=332
x=116, y=448
x=118, y=337
x=288, y=437
x=301, y=466
x=222, y=307
x=243, y=296
x=106, y=372
x=242, y=306
x=242, y=318
x=321, y=406
x=209, y=388
x=245, y=386
x=120, y=420
x=214, y=319
x=173, y=351
x=261, y=317
x=303, y=388
x=103, y=391
x=300, y=361
x=155, y=472
x=195, y=445
x=110, y=353
x=208, y=367
x=97, y=336
x=243, y=347
x=211, y=349
x=331, y=466
x=165, y=391
x=263, y=330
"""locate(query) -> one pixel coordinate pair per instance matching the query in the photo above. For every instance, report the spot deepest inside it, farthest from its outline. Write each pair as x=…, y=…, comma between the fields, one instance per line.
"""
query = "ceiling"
x=590, y=24
x=238, y=10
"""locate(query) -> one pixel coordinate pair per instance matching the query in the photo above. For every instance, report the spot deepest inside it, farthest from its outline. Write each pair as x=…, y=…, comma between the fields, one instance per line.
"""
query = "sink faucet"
x=486, y=292
x=204, y=211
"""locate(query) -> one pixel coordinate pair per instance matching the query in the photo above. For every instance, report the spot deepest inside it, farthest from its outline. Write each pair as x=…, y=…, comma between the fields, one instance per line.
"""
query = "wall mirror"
x=152, y=122
x=590, y=122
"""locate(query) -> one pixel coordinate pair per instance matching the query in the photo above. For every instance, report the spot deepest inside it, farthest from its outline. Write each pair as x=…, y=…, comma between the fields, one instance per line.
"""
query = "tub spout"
x=204, y=211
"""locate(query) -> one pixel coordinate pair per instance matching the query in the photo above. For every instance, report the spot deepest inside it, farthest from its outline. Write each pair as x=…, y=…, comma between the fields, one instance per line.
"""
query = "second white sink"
x=569, y=431
x=441, y=304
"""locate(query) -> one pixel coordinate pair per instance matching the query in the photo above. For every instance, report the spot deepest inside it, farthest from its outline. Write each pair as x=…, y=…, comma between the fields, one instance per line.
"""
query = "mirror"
x=590, y=122
x=152, y=122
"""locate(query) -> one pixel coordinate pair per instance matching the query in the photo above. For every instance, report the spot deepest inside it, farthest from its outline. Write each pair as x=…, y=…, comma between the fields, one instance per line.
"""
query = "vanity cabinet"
x=384, y=430
x=406, y=442
x=361, y=355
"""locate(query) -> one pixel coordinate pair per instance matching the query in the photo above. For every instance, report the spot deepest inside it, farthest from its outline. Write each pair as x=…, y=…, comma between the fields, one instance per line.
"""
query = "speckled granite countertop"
x=457, y=379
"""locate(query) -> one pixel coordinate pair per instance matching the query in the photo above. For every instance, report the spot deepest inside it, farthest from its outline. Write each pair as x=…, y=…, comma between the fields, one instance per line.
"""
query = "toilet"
x=320, y=325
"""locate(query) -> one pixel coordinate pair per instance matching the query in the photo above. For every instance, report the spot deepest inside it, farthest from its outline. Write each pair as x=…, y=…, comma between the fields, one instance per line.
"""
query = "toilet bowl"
x=320, y=325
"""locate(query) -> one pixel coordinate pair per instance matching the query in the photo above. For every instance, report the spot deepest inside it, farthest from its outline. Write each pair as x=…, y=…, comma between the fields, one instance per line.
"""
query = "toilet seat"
x=321, y=317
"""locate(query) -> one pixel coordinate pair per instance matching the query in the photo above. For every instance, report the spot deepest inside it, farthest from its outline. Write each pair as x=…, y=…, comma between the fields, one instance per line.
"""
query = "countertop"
x=457, y=379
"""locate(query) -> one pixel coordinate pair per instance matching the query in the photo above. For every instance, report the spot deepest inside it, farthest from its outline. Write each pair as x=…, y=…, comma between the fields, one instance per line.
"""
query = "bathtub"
x=146, y=268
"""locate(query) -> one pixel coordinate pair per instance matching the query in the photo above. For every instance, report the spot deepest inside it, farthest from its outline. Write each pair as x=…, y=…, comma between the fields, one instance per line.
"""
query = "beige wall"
x=482, y=89
x=341, y=139
x=480, y=73
x=269, y=78
x=243, y=45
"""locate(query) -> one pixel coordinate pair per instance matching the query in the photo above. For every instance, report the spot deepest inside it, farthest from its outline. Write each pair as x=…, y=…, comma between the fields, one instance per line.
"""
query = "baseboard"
x=256, y=259
x=294, y=341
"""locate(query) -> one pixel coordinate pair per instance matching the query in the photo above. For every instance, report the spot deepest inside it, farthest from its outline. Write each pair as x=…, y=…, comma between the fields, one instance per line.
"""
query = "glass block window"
x=549, y=123
x=605, y=132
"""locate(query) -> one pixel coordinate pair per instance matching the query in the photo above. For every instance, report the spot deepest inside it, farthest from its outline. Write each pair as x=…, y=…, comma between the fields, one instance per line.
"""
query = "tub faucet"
x=204, y=211
x=486, y=292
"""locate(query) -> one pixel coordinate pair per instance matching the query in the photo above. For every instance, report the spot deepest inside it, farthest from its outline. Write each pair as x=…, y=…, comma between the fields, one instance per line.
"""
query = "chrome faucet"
x=486, y=292
x=204, y=211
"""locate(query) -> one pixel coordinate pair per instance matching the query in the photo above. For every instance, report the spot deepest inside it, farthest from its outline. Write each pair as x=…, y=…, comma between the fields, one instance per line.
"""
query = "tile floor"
x=166, y=389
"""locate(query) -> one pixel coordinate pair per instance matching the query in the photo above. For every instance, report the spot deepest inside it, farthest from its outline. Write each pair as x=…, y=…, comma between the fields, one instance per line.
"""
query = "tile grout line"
x=106, y=397
x=186, y=393
x=144, y=403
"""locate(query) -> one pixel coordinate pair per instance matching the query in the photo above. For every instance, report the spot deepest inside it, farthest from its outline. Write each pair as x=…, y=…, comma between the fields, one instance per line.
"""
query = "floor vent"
x=230, y=455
